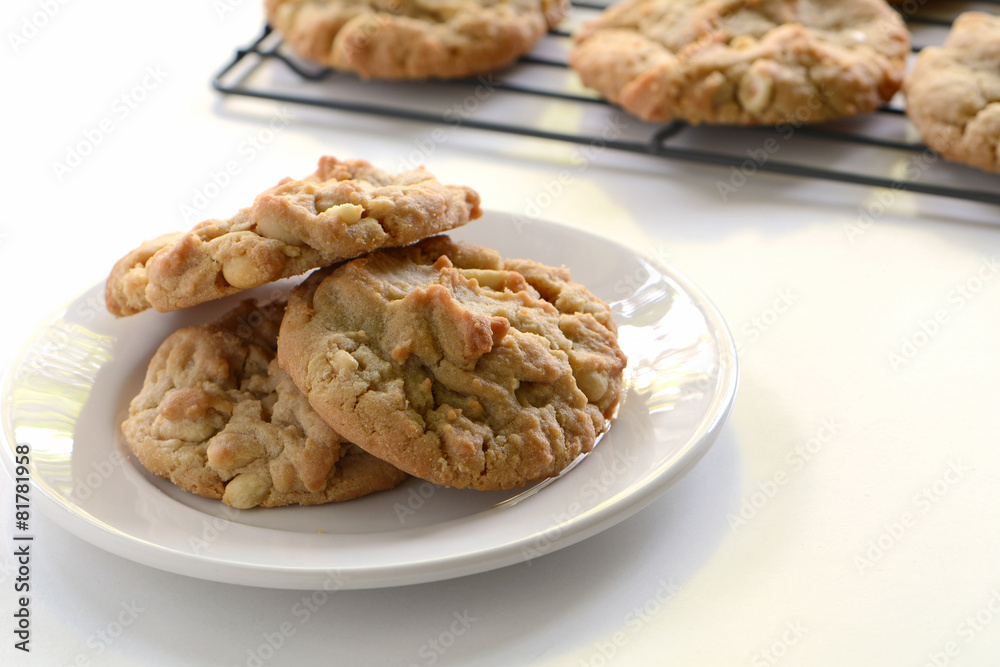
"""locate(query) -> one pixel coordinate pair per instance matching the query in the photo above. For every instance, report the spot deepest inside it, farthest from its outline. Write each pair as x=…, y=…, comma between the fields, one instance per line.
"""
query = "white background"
x=883, y=548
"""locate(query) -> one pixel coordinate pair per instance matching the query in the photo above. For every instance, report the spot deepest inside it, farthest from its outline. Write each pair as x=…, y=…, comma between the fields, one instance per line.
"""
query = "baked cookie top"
x=343, y=210
x=953, y=92
x=217, y=416
x=744, y=62
x=413, y=39
x=455, y=365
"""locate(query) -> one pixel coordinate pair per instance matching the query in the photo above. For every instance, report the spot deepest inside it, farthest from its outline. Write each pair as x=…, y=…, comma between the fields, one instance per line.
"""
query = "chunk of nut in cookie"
x=272, y=227
x=231, y=451
x=242, y=272
x=191, y=414
x=247, y=490
x=488, y=278
x=342, y=362
x=247, y=264
x=756, y=87
x=593, y=385
x=348, y=213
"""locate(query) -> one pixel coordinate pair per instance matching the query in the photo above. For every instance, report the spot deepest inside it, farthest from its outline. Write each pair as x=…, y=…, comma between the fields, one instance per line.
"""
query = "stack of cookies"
x=402, y=353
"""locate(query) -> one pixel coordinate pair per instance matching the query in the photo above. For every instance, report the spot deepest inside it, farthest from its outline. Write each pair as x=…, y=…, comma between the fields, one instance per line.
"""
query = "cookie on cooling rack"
x=218, y=417
x=345, y=209
x=745, y=63
x=953, y=93
x=454, y=365
x=413, y=39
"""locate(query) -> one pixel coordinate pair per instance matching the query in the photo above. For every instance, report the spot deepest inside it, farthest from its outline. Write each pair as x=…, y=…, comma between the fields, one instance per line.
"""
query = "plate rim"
x=608, y=512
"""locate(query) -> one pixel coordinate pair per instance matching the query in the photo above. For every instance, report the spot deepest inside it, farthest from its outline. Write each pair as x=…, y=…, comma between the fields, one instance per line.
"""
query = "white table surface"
x=878, y=542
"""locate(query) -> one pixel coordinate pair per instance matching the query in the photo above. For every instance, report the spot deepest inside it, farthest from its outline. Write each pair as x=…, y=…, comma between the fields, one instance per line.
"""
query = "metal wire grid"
x=902, y=162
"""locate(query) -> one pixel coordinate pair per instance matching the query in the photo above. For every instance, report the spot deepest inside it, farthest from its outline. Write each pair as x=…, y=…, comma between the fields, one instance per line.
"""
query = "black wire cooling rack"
x=881, y=149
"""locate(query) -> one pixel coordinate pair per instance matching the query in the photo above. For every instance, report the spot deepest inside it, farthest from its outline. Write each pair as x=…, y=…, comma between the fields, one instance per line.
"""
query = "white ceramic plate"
x=67, y=393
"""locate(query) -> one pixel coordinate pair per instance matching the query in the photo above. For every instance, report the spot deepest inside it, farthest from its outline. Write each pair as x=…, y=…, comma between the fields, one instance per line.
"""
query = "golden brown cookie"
x=745, y=62
x=343, y=210
x=218, y=417
x=953, y=92
x=413, y=39
x=455, y=365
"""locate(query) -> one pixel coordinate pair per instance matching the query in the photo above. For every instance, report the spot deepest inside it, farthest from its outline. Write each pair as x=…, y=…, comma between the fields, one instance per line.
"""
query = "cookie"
x=218, y=417
x=455, y=365
x=343, y=210
x=744, y=62
x=413, y=39
x=953, y=93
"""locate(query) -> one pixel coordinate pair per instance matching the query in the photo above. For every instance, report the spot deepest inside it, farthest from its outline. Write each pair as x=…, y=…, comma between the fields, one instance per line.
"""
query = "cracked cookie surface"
x=744, y=62
x=344, y=209
x=953, y=93
x=455, y=365
x=414, y=39
x=218, y=417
